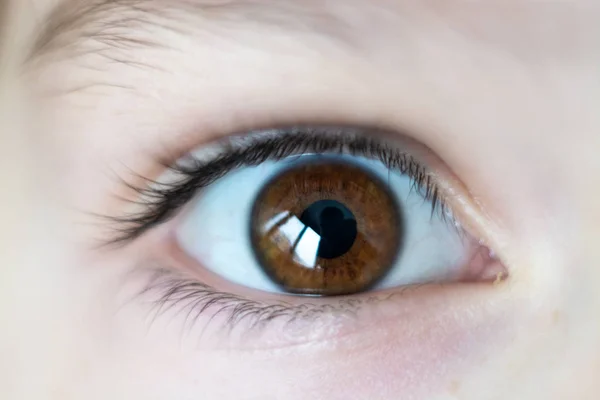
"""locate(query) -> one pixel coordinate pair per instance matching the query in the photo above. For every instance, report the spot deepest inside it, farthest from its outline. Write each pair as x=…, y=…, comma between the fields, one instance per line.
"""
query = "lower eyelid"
x=251, y=320
x=416, y=337
x=230, y=322
x=202, y=304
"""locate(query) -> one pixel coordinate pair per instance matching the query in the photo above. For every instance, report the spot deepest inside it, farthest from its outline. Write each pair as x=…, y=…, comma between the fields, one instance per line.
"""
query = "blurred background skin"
x=28, y=239
x=16, y=182
x=36, y=341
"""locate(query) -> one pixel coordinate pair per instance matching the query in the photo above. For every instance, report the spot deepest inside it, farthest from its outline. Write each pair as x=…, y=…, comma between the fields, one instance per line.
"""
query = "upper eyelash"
x=161, y=200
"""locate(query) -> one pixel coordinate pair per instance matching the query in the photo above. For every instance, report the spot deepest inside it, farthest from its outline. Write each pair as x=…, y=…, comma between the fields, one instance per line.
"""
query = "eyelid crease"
x=160, y=201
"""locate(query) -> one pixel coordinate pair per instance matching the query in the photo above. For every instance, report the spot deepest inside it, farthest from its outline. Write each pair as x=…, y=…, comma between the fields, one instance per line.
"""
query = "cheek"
x=389, y=364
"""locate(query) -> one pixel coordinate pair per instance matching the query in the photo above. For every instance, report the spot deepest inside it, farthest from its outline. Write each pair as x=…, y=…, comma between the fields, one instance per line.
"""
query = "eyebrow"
x=110, y=22
x=118, y=23
x=147, y=34
x=100, y=20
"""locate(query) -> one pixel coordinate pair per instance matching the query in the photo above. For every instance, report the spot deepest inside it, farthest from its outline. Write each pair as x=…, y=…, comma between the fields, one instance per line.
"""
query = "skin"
x=505, y=94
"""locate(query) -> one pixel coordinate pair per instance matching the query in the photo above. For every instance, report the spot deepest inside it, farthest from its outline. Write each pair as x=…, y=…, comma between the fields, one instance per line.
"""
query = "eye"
x=322, y=213
x=325, y=227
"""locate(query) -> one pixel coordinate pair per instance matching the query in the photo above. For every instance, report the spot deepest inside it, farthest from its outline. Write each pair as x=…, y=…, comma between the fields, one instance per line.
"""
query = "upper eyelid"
x=261, y=118
x=162, y=199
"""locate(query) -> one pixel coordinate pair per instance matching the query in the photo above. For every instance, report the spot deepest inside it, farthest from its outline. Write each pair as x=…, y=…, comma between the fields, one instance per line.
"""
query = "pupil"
x=334, y=223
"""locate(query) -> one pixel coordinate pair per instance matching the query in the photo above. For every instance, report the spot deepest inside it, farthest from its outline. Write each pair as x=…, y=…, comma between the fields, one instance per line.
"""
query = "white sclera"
x=216, y=230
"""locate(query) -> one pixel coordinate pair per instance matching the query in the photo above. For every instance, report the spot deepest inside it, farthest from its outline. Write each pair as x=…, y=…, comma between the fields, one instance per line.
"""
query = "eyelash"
x=194, y=298
x=160, y=201
x=184, y=296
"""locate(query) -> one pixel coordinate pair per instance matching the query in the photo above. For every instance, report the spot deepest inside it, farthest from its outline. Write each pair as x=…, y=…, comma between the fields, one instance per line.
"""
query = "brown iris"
x=325, y=227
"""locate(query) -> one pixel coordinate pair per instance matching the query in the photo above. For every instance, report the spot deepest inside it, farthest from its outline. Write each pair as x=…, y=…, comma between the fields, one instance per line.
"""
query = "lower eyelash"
x=172, y=291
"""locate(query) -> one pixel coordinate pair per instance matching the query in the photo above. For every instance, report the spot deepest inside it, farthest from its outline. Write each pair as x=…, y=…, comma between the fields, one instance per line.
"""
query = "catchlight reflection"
x=303, y=240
